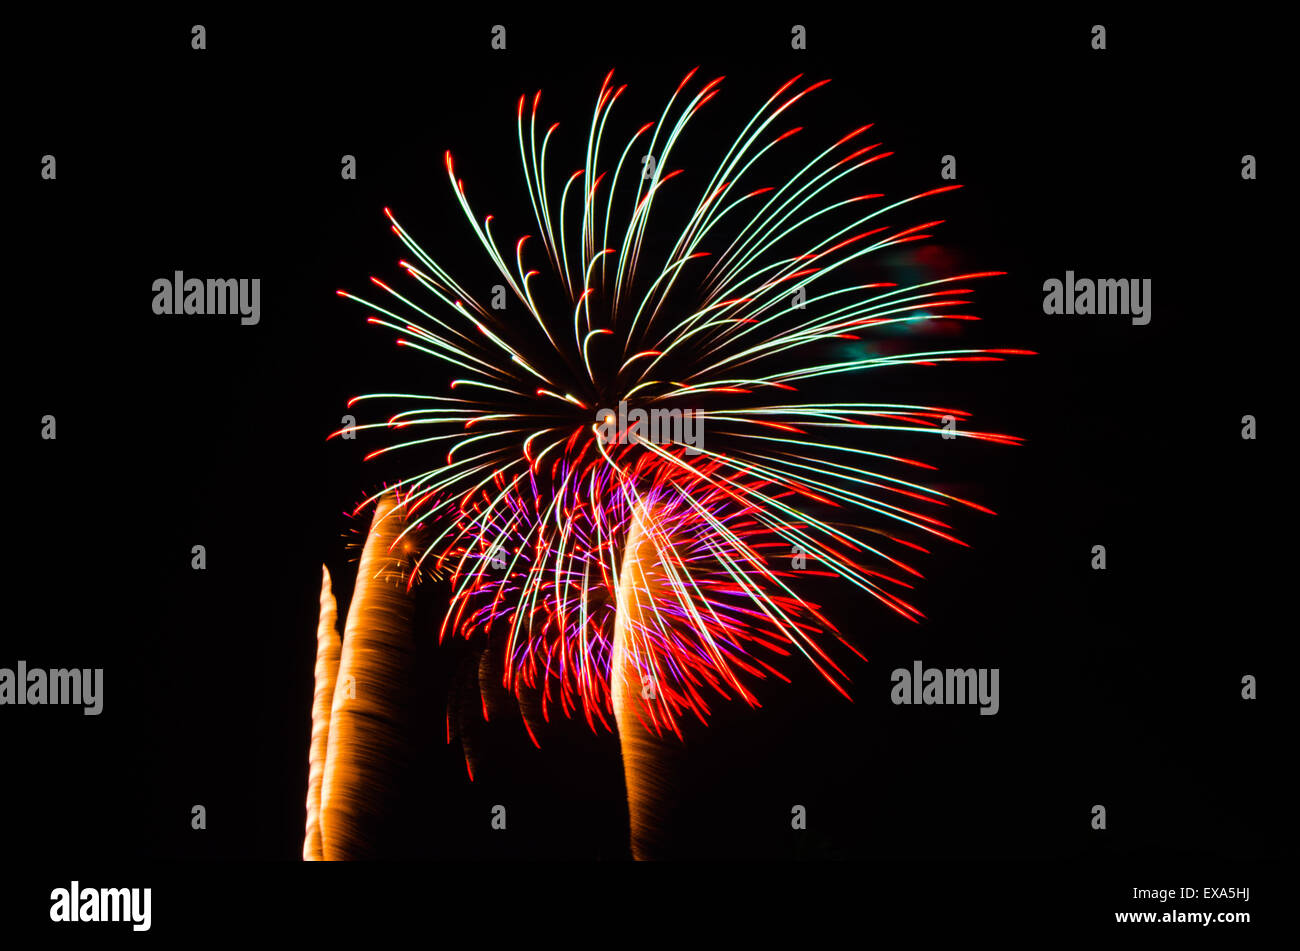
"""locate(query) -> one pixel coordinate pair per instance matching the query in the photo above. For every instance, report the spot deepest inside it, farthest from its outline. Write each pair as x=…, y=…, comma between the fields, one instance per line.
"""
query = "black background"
x=1119, y=687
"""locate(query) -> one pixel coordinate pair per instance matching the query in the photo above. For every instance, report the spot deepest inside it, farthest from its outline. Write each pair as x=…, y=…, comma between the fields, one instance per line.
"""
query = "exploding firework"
x=638, y=572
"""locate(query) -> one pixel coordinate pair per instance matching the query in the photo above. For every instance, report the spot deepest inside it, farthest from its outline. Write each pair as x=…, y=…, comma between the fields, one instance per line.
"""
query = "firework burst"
x=603, y=559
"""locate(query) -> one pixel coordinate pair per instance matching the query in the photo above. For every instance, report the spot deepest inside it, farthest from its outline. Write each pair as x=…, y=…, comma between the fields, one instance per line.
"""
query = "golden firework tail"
x=328, y=646
x=369, y=714
x=651, y=752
